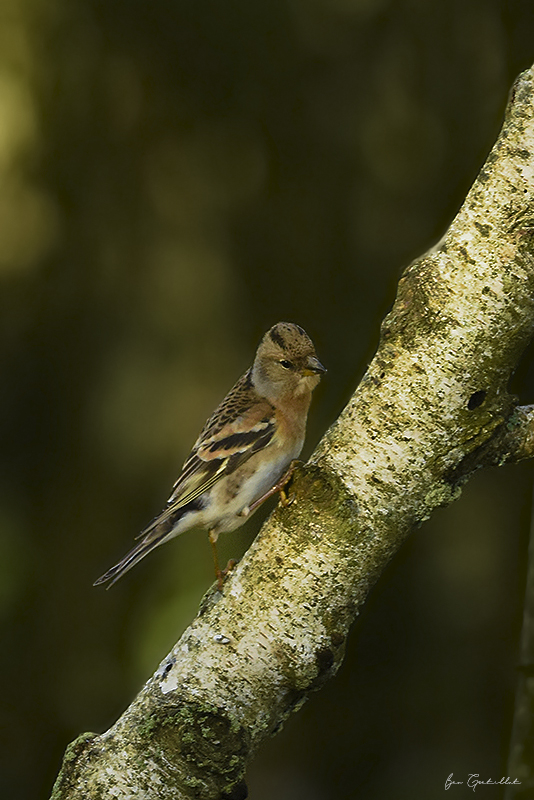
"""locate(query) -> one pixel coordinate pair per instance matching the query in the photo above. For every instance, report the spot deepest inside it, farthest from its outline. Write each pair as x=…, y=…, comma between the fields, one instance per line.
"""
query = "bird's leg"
x=213, y=536
x=279, y=486
x=220, y=574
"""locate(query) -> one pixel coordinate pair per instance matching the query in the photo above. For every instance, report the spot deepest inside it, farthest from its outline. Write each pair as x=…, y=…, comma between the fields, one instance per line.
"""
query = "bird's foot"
x=222, y=574
x=279, y=486
x=286, y=499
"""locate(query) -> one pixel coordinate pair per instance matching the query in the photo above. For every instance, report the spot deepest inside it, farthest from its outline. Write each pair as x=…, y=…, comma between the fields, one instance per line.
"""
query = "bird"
x=245, y=452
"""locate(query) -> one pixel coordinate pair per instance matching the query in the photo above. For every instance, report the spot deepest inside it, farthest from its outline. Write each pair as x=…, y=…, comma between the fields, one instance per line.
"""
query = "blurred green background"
x=175, y=177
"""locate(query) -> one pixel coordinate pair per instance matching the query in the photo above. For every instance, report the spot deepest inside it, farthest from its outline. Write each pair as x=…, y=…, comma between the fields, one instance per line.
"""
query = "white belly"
x=236, y=492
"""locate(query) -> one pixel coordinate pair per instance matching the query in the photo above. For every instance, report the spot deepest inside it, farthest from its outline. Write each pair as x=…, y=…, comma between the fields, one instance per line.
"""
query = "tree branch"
x=432, y=407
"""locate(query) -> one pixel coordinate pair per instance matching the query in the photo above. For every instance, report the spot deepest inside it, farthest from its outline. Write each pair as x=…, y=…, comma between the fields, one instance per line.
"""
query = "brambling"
x=244, y=450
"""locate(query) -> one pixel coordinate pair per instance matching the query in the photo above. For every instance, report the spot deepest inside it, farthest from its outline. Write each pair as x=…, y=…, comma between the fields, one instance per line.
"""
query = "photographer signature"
x=474, y=780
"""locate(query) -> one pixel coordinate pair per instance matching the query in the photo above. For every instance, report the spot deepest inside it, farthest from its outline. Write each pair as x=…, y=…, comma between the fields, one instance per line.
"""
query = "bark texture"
x=432, y=407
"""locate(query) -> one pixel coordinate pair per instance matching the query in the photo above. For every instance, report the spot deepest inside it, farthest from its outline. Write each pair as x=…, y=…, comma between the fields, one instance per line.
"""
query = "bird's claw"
x=286, y=499
x=222, y=574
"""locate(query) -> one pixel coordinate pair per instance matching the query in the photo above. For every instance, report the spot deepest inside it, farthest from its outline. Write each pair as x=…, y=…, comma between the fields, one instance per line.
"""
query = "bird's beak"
x=314, y=367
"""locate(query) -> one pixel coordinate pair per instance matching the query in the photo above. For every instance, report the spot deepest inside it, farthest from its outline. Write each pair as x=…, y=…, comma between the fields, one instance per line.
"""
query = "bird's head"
x=286, y=363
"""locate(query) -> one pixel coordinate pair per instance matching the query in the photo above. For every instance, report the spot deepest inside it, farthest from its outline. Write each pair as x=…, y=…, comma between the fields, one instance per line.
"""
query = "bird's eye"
x=286, y=364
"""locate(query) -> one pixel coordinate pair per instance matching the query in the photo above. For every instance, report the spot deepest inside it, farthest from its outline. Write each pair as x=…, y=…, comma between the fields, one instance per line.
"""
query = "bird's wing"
x=242, y=425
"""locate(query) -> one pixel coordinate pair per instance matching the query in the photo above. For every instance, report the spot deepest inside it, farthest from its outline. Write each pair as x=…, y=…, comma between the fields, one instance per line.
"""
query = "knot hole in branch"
x=476, y=399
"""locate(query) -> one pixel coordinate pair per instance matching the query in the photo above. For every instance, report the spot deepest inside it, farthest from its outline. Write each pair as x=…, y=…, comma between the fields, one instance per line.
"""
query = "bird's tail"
x=131, y=559
x=161, y=529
